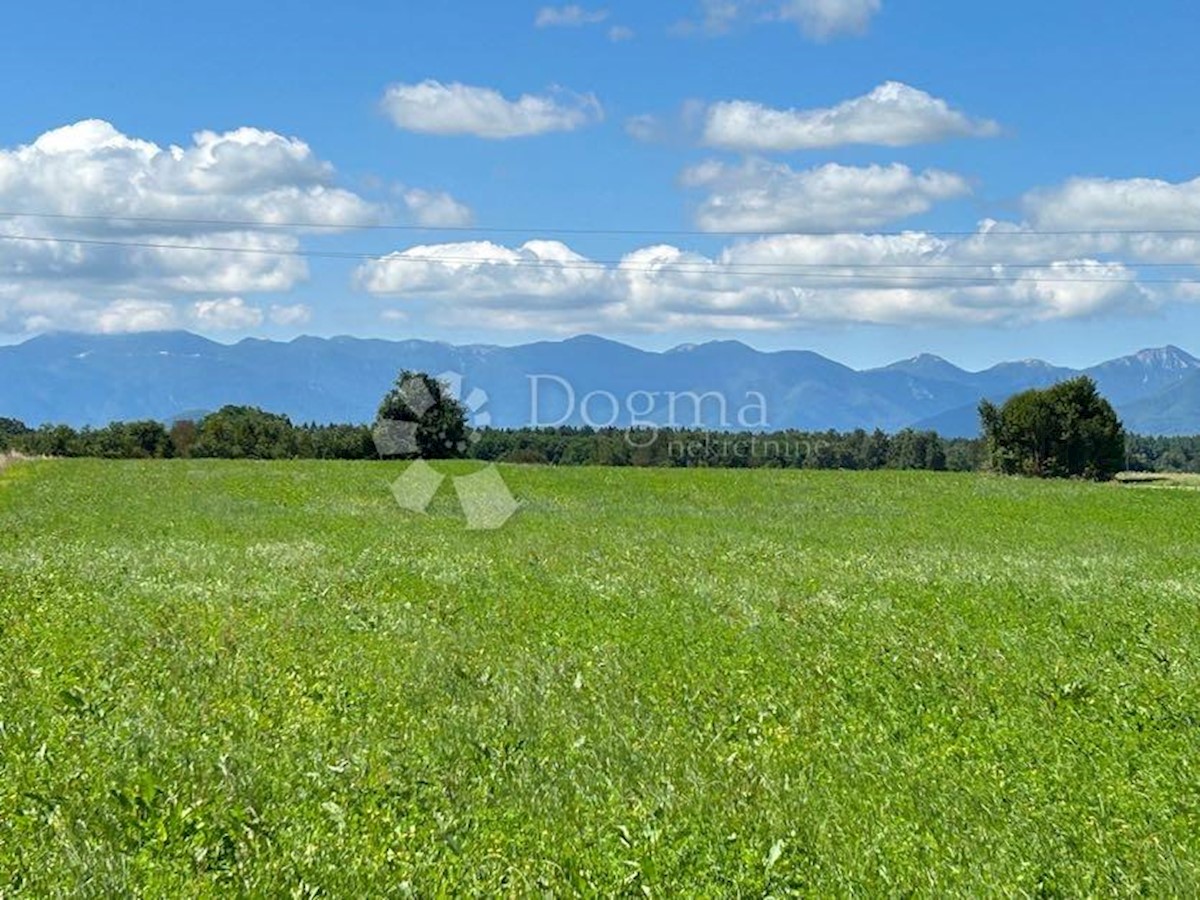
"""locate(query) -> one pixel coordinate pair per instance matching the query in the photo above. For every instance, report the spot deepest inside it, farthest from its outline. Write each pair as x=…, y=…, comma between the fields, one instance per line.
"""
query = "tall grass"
x=267, y=679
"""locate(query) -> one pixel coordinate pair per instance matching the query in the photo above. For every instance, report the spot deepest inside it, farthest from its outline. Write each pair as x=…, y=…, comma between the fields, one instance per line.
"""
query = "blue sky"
x=839, y=139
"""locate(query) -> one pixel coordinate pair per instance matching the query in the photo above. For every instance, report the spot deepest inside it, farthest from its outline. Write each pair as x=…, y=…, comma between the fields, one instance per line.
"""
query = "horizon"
x=859, y=178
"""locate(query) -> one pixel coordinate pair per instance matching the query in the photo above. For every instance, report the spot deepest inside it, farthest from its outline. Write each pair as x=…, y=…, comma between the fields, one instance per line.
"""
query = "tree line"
x=1065, y=430
x=243, y=432
x=233, y=432
x=240, y=432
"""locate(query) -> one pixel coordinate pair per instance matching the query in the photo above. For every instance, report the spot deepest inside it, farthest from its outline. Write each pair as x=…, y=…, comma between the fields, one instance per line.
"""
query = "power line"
x=636, y=232
x=794, y=270
x=395, y=256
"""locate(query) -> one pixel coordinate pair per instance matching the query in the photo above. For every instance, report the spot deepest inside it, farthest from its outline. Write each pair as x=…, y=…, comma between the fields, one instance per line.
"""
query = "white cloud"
x=1109, y=203
x=570, y=16
x=575, y=16
x=892, y=115
x=96, y=272
x=458, y=109
x=50, y=310
x=92, y=169
x=783, y=281
x=290, y=314
x=533, y=272
x=437, y=209
x=757, y=195
x=915, y=276
x=131, y=315
x=226, y=314
x=246, y=261
x=824, y=19
x=819, y=20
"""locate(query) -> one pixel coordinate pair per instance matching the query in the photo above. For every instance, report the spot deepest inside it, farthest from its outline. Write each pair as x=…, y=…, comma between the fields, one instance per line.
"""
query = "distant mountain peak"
x=1168, y=357
x=926, y=365
x=1028, y=363
x=713, y=347
x=726, y=346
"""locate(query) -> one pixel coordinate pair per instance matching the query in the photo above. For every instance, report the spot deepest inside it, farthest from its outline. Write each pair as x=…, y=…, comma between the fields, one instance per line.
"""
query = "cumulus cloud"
x=973, y=279
x=782, y=281
x=50, y=310
x=1116, y=204
x=570, y=16
x=892, y=115
x=130, y=315
x=437, y=209
x=83, y=268
x=92, y=169
x=619, y=33
x=47, y=310
x=534, y=272
x=819, y=20
x=226, y=314
x=459, y=109
x=757, y=195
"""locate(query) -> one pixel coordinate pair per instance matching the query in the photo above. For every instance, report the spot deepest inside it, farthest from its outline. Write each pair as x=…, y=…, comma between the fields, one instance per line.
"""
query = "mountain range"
x=86, y=379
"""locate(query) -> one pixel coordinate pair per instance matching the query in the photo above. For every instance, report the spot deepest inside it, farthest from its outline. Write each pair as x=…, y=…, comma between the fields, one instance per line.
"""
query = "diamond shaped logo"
x=486, y=500
x=484, y=496
x=415, y=487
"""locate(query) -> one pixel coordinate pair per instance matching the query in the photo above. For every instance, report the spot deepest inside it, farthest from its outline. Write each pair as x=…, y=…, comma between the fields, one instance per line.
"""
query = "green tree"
x=10, y=429
x=874, y=452
x=183, y=435
x=911, y=449
x=51, y=440
x=964, y=454
x=1061, y=431
x=420, y=417
x=245, y=432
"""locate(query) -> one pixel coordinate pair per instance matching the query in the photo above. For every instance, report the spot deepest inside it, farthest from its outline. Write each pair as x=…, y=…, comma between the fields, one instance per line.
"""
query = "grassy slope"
x=266, y=676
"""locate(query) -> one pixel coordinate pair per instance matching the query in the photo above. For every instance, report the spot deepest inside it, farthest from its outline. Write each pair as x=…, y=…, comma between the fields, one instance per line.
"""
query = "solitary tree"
x=1061, y=431
x=420, y=417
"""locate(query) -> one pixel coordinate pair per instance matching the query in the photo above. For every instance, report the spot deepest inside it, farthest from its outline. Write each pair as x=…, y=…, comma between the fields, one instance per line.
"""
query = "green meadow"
x=267, y=679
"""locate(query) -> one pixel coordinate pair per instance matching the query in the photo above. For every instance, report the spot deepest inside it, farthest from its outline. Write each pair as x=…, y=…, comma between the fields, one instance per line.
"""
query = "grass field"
x=266, y=678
